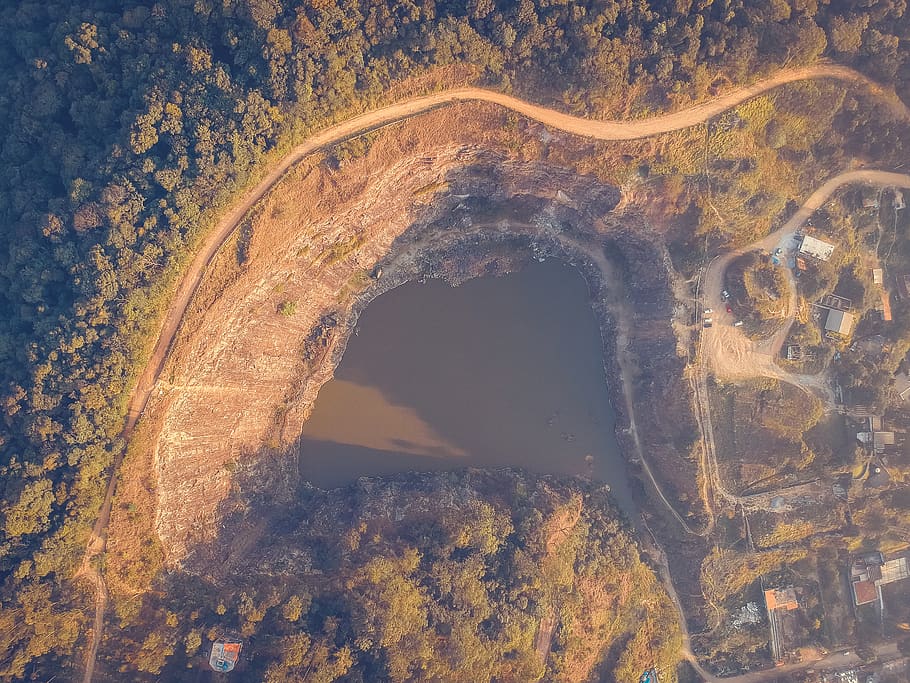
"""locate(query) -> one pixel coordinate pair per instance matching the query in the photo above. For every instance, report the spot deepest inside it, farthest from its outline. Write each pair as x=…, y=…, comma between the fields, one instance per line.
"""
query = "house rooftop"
x=224, y=655
x=882, y=439
x=864, y=592
x=895, y=570
x=816, y=248
x=840, y=322
x=781, y=598
x=869, y=573
x=886, y=306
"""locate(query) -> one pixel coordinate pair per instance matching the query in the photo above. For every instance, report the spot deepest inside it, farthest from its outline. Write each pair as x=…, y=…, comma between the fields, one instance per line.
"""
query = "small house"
x=781, y=598
x=816, y=248
x=869, y=572
x=225, y=653
x=839, y=322
x=882, y=439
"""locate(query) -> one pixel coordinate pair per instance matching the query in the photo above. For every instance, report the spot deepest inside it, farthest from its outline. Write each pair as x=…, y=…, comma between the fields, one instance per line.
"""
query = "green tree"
x=31, y=512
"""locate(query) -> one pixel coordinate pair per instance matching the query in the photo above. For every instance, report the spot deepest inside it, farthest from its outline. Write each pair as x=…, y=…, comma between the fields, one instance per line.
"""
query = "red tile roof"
x=784, y=598
x=864, y=591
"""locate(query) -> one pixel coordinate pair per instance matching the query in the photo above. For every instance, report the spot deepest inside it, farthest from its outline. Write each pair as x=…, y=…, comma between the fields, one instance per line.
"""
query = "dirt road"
x=830, y=662
x=623, y=315
x=603, y=130
x=727, y=352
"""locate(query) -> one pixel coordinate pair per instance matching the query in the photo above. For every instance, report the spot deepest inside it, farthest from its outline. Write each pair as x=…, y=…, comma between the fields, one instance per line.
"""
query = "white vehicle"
x=708, y=321
x=709, y=311
x=738, y=323
x=725, y=295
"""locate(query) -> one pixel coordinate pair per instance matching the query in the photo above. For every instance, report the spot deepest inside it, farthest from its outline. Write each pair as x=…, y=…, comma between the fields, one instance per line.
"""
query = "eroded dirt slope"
x=271, y=319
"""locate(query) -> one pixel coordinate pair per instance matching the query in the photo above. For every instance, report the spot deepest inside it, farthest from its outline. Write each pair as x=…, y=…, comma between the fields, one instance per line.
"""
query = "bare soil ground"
x=728, y=352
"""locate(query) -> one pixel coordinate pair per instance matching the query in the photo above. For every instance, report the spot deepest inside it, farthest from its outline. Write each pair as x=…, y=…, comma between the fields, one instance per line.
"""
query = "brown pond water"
x=499, y=372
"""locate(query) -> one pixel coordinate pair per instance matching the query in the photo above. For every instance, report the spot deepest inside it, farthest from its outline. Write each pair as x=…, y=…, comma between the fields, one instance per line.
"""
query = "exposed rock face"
x=272, y=317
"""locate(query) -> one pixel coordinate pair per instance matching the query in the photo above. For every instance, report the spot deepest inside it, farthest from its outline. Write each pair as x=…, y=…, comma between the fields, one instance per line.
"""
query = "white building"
x=816, y=248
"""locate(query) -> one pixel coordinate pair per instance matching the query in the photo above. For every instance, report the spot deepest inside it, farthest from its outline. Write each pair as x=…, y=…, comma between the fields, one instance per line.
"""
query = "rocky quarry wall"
x=272, y=317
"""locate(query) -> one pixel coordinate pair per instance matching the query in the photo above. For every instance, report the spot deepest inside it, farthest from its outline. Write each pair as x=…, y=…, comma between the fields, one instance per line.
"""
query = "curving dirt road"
x=726, y=351
x=731, y=353
x=602, y=130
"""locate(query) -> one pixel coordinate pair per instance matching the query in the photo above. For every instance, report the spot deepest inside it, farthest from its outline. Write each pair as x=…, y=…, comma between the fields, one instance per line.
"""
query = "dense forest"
x=447, y=577
x=127, y=126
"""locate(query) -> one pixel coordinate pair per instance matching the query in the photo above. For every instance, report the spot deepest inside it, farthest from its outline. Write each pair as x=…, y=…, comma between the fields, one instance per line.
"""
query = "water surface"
x=498, y=372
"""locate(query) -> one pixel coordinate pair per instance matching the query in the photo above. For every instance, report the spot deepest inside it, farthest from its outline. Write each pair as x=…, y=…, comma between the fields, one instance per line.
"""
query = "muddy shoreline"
x=498, y=249
x=482, y=254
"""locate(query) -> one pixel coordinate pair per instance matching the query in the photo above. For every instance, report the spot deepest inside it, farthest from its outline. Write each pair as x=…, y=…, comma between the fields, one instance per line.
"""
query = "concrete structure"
x=865, y=572
x=839, y=322
x=882, y=439
x=864, y=592
x=876, y=437
x=878, y=276
x=895, y=570
x=816, y=248
x=225, y=653
x=869, y=572
x=781, y=598
x=841, y=303
x=902, y=385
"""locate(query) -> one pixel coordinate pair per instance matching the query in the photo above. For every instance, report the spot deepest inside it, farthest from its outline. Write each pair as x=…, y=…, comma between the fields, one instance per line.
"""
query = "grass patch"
x=134, y=554
x=287, y=308
x=341, y=250
x=431, y=188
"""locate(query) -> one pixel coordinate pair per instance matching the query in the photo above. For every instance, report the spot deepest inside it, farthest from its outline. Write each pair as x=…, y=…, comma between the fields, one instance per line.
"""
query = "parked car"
x=707, y=324
x=709, y=311
x=725, y=295
x=729, y=308
x=738, y=323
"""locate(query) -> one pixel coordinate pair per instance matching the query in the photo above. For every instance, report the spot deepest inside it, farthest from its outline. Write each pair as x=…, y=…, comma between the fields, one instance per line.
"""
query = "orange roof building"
x=886, y=306
x=864, y=592
x=224, y=656
x=781, y=598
